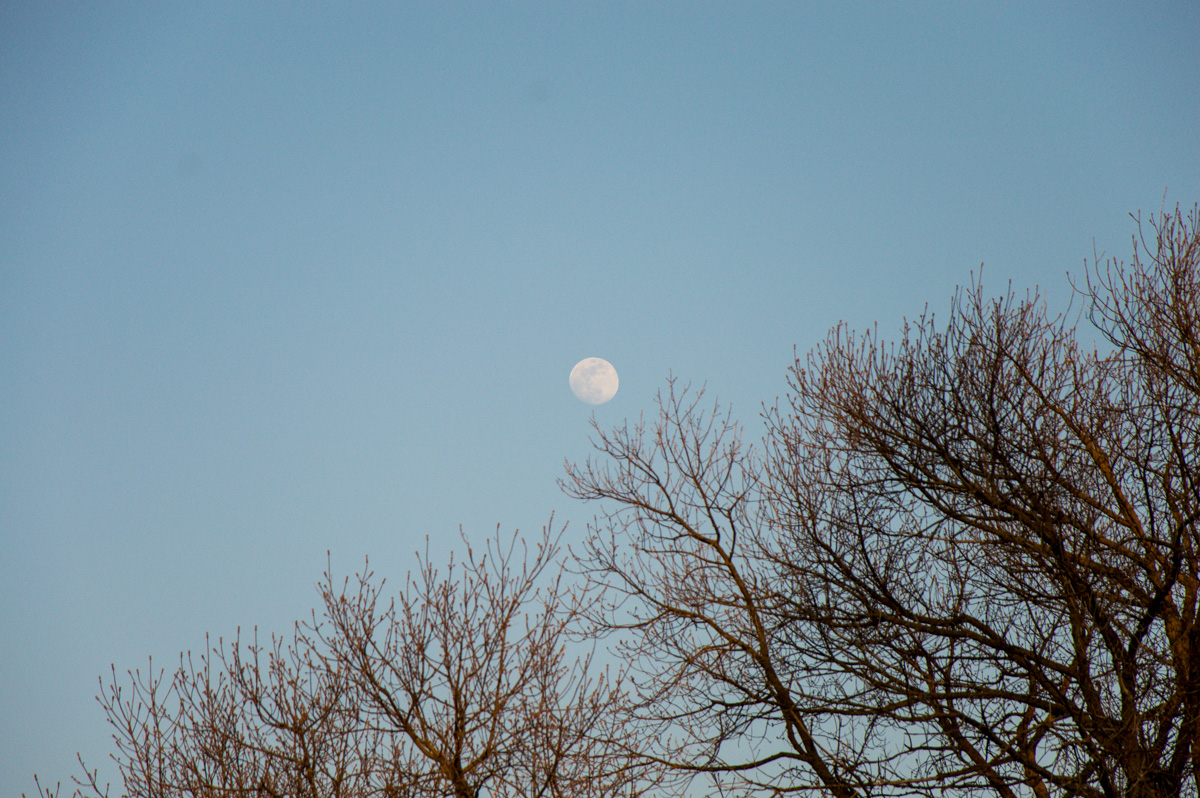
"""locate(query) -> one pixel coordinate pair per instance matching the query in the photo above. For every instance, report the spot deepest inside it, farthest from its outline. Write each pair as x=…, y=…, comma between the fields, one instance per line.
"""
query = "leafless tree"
x=965, y=562
x=462, y=685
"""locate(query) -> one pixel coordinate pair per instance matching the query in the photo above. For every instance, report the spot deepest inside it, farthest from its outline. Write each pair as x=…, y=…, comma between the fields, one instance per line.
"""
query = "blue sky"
x=282, y=279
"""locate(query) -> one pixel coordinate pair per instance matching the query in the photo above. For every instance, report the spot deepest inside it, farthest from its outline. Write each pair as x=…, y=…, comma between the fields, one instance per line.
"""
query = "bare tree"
x=468, y=674
x=964, y=562
x=462, y=685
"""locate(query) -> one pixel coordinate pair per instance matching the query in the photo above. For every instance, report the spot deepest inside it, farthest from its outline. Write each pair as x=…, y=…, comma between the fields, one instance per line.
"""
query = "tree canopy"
x=961, y=562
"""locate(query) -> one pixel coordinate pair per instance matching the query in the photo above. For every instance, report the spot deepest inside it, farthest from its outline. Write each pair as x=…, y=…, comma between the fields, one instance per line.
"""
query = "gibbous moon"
x=594, y=380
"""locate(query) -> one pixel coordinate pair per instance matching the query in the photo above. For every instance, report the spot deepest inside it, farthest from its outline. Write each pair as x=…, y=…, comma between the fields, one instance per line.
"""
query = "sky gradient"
x=279, y=280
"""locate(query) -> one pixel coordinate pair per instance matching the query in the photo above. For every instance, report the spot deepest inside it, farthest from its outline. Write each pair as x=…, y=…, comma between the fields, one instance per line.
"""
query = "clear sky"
x=281, y=279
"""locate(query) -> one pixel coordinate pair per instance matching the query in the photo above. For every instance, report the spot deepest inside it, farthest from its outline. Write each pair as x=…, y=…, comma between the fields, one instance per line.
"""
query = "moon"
x=594, y=380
